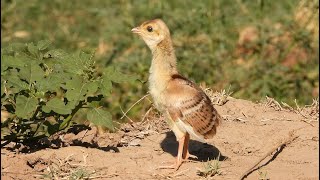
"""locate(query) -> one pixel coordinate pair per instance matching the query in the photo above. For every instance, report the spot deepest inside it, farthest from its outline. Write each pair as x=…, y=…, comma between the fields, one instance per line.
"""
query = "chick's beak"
x=136, y=30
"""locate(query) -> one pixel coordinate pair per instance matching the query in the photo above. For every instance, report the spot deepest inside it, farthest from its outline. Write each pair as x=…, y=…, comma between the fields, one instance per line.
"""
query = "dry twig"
x=105, y=176
x=303, y=120
x=277, y=148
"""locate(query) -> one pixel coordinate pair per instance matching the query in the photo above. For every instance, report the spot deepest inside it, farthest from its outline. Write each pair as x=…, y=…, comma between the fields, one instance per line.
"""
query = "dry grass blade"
x=65, y=169
x=217, y=98
x=125, y=114
x=270, y=102
x=310, y=112
x=146, y=114
x=287, y=106
x=180, y=173
x=233, y=118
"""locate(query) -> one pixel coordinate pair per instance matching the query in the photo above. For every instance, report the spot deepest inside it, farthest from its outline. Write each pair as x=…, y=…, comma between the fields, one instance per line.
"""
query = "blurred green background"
x=257, y=48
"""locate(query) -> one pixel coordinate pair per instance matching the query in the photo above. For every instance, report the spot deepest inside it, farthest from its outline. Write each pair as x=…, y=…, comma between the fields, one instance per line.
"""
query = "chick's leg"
x=185, y=153
x=180, y=152
x=178, y=162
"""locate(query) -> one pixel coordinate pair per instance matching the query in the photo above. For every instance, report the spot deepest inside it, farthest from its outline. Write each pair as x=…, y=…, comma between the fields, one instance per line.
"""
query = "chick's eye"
x=149, y=28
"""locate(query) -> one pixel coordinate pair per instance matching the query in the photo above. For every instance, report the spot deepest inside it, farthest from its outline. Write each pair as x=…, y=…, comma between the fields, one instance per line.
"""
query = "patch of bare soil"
x=258, y=141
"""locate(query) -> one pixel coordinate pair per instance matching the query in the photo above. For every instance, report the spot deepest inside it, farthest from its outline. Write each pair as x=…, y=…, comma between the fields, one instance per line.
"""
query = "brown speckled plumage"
x=193, y=108
x=188, y=110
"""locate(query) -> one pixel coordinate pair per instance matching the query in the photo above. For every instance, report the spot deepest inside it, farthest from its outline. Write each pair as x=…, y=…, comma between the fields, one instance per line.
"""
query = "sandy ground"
x=249, y=131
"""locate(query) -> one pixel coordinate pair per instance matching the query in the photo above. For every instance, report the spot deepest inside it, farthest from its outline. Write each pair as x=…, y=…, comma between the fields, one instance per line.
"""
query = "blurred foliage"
x=258, y=48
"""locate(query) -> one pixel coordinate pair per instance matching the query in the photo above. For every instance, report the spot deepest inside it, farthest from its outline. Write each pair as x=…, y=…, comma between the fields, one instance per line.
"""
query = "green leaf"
x=73, y=65
x=72, y=104
x=43, y=44
x=15, y=84
x=114, y=75
x=25, y=106
x=11, y=49
x=85, y=57
x=77, y=63
x=105, y=86
x=31, y=72
x=100, y=117
x=56, y=53
x=50, y=83
x=2, y=87
x=17, y=47
x=94, y=104
x=92, y=88
x=76, y=89
x=32, y=49
x=11, y=61
x=56, y=105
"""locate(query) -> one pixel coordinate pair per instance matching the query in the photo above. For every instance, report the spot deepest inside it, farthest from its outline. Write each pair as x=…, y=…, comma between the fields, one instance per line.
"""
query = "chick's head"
x=152, y=32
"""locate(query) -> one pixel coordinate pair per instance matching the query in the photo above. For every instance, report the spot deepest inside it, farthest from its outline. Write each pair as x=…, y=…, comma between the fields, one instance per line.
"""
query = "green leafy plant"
x=263, y=175
x=42, y=90
x=210, y=168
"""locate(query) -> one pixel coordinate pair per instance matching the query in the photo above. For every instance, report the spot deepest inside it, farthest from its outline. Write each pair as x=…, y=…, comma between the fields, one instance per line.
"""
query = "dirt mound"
x=249, y=133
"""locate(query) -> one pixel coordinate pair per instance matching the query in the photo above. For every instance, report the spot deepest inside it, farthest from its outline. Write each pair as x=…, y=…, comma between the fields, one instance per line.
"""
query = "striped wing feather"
x=188, y=103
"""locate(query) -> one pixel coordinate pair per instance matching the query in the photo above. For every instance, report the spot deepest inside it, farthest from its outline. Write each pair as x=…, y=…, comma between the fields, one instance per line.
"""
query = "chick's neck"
x=164, y=61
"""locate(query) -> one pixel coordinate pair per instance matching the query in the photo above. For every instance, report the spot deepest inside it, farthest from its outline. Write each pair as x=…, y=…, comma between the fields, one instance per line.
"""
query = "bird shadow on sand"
x=203, y=151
